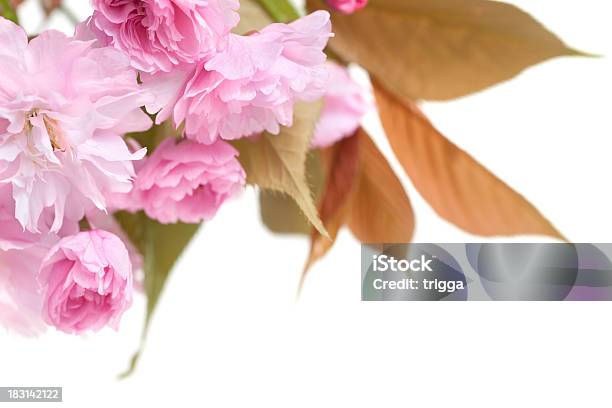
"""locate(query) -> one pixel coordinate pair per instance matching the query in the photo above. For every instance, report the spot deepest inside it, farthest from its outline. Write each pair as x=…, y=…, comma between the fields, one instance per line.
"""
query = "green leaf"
x=441, y=49
x=280, y=213
x=277, y=162
x=160, y=245
x=281, y=11
x=153, y=137
x=7, y=11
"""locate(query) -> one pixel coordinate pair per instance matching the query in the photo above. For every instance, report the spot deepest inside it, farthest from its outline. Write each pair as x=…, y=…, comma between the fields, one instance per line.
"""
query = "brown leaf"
x=441, y=49
x=363, y=193
x=50, y=5
x=459, y=188
x=380, y=209
x=277, y=162
x=342, y=164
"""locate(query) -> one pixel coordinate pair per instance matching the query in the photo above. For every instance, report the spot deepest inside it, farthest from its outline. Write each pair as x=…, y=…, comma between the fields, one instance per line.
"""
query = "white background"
x=230, y=333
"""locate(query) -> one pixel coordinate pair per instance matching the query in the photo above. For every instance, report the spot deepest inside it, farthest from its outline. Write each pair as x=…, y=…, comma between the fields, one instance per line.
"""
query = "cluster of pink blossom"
x=344, y=105
x=66, y=104
x=347, y=6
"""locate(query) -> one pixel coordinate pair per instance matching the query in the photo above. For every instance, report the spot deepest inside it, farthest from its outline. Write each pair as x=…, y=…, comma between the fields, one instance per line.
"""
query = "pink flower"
x=159, y=34
x=20, y=300
x=63, y=108
x=106, y=221
x=344, y=106
x=20, y=259
x=86, y=282
x=21, y=254
x=347, y=6
x=187, y=181
x=249, y=87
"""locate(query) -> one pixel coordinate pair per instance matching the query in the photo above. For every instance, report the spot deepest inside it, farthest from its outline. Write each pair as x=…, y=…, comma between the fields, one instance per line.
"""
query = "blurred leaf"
x=280, y=213
x=49, y=7
x=459, y=188
x=252, y=17
x=277, y=162
x=281, y=11
x=7, y=11
x=342, y=165
x=160, y=245
x=155, y=135
x=380, y=210
x=441, y=49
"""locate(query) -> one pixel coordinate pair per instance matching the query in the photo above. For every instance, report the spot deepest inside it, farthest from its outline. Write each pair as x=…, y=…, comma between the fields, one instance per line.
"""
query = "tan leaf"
x=279, y=212
x=252, y=17
x=281, y=215
x=342, y=164
x=458, y=188
x=441, y=49
x=277, y=162
x=380, y=209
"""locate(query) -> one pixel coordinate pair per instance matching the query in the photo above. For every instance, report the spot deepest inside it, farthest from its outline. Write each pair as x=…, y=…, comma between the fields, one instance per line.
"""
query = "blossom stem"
x=281, y=11
x=7, y=11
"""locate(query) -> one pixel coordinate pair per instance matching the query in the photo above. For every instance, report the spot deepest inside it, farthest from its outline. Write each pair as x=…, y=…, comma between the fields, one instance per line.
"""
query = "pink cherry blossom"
x=106, y=221
x=86, y=282
x=20, y=258
x=345, y=104
x=347, y=6
x=20, y=300
x=64, y=105
x=187, y=181
x=21, y=254
x=160, y=34
x=249, y=87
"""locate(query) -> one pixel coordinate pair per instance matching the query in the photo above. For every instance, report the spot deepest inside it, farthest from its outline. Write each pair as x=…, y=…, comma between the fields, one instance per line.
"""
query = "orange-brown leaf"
x=380, y=208
x=458, y=188
x=342, y=164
